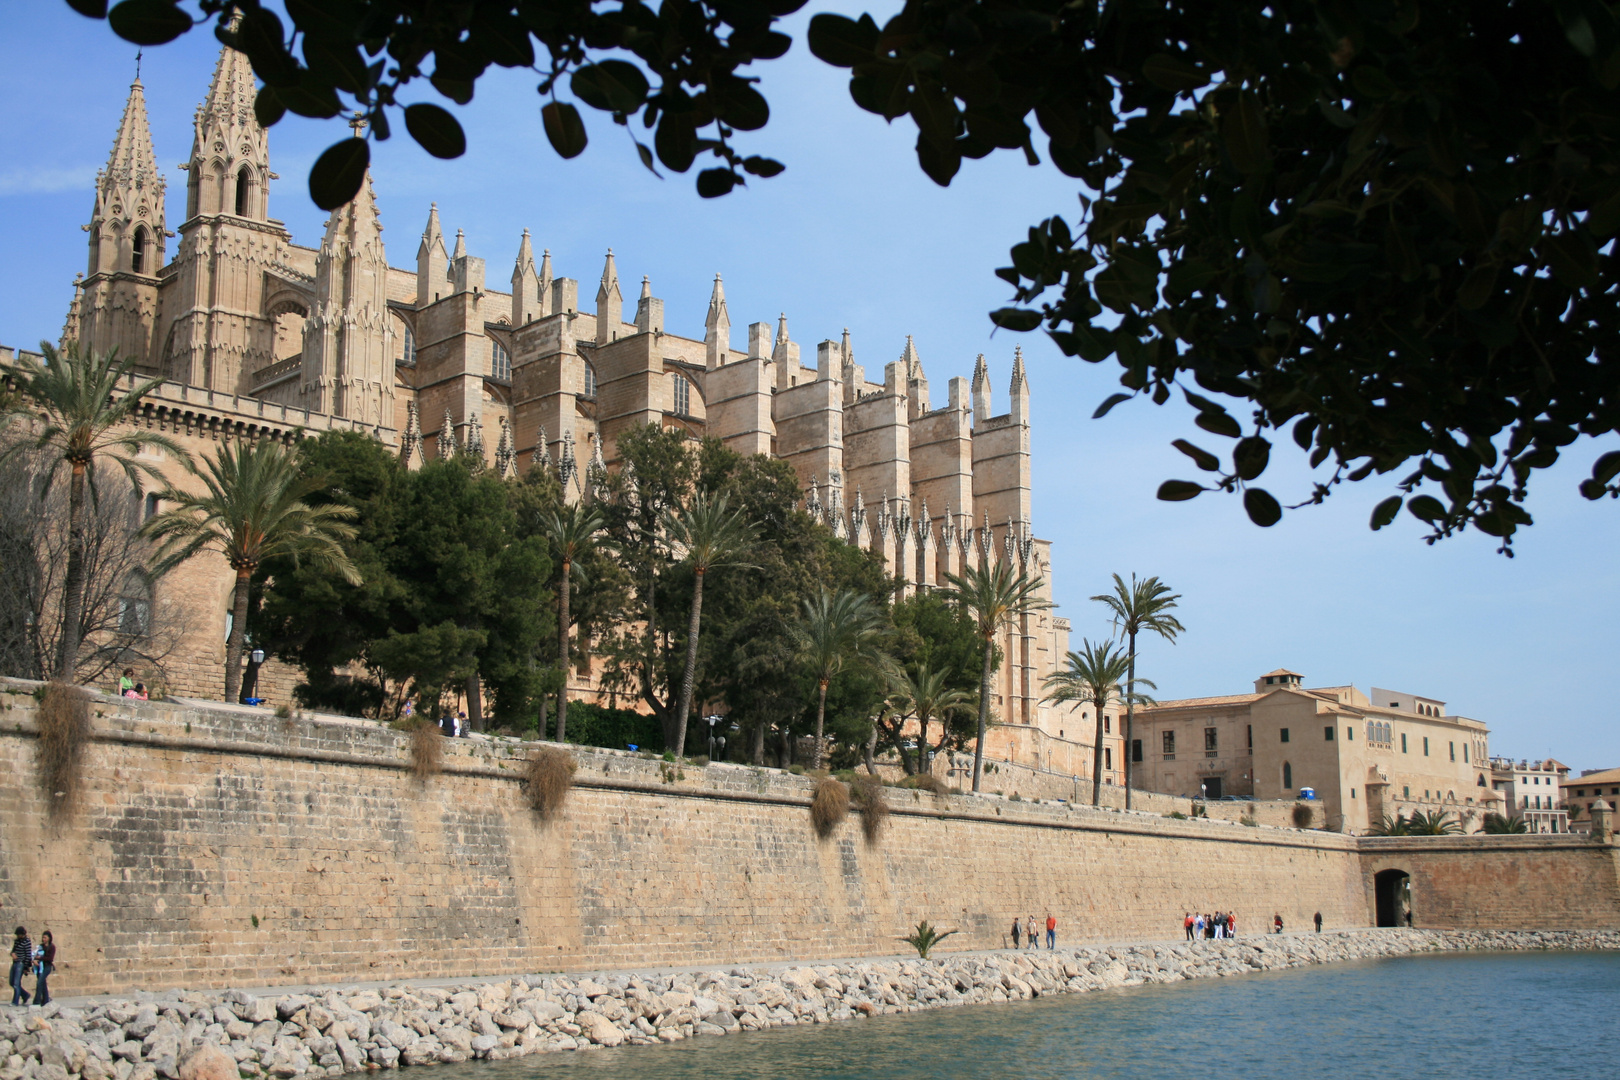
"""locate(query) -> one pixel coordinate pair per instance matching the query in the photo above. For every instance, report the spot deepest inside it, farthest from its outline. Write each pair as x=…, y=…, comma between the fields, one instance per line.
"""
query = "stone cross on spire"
x=717, y=327
x=609, y=303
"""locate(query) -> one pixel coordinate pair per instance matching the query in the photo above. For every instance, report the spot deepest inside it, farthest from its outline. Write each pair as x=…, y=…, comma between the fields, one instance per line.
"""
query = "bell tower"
x=219, y=336
x=118, y=306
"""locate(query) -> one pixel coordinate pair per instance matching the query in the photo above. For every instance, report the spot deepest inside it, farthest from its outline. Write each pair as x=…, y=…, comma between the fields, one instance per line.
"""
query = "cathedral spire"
x=1018, y=393
x=461, y=246
x=981, y=392
x=609, y=303
x=230, y=152
x=717, y=326
x=432, y=262
x=348, y=365
x=528, y=302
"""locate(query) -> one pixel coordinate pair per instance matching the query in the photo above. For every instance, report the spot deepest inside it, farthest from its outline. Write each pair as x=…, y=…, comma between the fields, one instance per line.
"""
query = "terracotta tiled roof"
x=1280, y=671
x=1199, y=702
x=1607, y=776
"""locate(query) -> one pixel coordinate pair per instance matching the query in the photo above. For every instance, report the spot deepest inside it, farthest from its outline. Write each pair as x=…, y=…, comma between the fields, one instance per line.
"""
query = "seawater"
x=1435, y=1016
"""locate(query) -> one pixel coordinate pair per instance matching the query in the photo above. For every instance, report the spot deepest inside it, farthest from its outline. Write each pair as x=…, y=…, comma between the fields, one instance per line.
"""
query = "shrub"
x=923, y=782
x=590, y=724
x=64, y=728
x=550, y=776
x=1303, y=816
x=427, y=749
x=796, y=769
x=829, y=805
x=1177, y=814
x=1498, y=825
x=868, y=794
x=1248, y=819
x=924, y=938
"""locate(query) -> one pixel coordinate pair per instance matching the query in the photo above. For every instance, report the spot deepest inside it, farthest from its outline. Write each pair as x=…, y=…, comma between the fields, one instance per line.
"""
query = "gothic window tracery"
x=137, y=258
x=500, y=361
x=590, y=379
x=683, y=395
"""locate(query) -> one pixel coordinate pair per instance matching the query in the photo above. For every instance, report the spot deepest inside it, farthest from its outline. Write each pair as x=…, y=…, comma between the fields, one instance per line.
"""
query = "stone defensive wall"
x=215, y=846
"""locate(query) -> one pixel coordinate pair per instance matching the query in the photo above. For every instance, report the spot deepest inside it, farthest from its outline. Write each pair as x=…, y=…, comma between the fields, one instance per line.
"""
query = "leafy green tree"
x=1435, y=823
x=1092, y=676
x=1326, y=210
x=710, y=535
x=1142, y=605
x=81, y=418
x=573, y=532
x=252, y=508
x=1498, y=825
x=835, y=630
x=924, y=695
x=993, y=597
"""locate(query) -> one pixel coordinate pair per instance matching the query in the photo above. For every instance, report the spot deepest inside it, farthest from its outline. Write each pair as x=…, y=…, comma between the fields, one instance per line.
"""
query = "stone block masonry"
x=220, y=846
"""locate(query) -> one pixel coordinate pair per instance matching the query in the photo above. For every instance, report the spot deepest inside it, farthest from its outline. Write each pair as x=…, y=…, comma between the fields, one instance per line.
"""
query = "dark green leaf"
x=646, y=156
x=1179, y=490
x=1263, y=509
x=1593, y=490
x=676, y=141
x=1571, y=261
x=564, y=128
x=1244, y=132
x=763, y=166
x=1191, y=275
x=435, y=130
x=1477, y=287
x=1250, y=457
x=459, y=91
x=1218, y=423
x=939, y=162
x=268, y=107
x=148, y=22
x=1605, y=218
x=338, y=173
x=1426, y=508
x=1607, y=467
x=1021, y=319
x=333, y=20
x=1385, y=512
x=743, y=107
x=843, y=42
x=95, y=9
x=611, y=85
x=1202, y=458
x=1173, y=73
x=1108, y=404
x=712, y=183
x=308, y=97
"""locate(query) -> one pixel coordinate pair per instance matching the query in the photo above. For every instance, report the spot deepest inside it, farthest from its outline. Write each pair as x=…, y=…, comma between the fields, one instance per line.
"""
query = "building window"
x=1284, y=734
x=683, y=396
x=135, y=606
x=1211, y=741
x=1425, y=746
x=1327, y=733
x=1169, y=738
x=1453, y=747
x=1403, y=742
x=153, y=505
x=1136, y=749
x=1352, y=793
x=137, y=251
x=1251, y=736
x=1288, y=776
x=590, y=379
x=1108, y=757
x=1406, y=793
x=1108, y=725
x=1349, y=734
x=500, y=361
x=244, y=192
x=1465, y=753
x=409, y=338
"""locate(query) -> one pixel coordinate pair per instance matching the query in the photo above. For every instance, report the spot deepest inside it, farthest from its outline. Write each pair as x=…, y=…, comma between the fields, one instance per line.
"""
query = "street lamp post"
x=250, y=681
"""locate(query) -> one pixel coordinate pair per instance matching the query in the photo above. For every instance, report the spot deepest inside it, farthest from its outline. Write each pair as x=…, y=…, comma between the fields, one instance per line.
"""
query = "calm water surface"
x=1548, y=1014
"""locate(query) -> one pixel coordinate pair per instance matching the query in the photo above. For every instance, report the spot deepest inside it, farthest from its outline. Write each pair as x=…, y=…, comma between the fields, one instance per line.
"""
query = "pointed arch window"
x=137, y=250
x=1288, y=776
x=500, y=361
x=408, y=344
x=135, y=605
x=244, y=192
x=590, y=379
x=683, y=395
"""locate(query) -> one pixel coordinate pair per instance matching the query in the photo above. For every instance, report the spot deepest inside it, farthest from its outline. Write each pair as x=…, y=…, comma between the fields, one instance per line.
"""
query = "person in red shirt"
x=1187, y=924
x=1051, y=931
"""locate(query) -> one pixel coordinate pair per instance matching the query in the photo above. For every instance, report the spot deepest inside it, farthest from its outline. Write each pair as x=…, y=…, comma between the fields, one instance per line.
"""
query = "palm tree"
x=1143, y=605
x=81, y=417
x=835, y=629
x=712, y=535
x=1092, y=676
x=1503, y=826
x=572, y=531
x=1390, y=826
x=1438, y=823
x=922, y=692
x=253, y=509
x=994, y=596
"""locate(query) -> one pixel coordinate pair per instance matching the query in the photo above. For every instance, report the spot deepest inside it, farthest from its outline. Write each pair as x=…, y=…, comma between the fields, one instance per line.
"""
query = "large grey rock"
x=208, y=1063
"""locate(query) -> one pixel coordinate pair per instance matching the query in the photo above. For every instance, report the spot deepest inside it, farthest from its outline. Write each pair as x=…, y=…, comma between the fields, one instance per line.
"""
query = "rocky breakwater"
x=222, y=1035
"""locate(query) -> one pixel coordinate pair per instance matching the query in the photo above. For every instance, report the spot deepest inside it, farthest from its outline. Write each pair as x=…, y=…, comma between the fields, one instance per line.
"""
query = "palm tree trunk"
x=922, y=744
x=691, y=665
x=1097, y=755
x=871, y=752
x=1130, y=720
x=233, y=650
x=984, y=713
x=562, y=652
x=73, y=588
x=758, y=754
x=475, y=701
x=821, y=721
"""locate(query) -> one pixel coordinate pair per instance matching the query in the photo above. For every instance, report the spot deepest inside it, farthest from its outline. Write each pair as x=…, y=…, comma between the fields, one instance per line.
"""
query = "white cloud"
x=47, y=181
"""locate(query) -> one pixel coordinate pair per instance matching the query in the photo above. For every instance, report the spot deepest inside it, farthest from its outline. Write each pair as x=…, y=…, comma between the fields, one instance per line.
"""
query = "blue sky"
x=853, y=235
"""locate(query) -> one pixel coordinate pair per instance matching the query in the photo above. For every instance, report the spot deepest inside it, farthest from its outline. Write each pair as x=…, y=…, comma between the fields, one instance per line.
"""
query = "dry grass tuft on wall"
x=427, y=749
x=1303, y=816
x=924, y=782
x=829, y=805
x=64, y=728
x=868, y=795
x=550, y=776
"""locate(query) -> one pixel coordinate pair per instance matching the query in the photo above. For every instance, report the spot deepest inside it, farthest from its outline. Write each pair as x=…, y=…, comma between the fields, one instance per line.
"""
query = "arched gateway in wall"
x=1392, y=897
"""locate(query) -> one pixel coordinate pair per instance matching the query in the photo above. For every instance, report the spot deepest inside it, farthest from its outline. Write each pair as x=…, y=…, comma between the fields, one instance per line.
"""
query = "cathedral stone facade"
x=258, y=336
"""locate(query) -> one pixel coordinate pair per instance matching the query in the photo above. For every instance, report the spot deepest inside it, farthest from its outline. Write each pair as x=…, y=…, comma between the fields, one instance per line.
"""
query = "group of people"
x=128, y=687
x=30, y=959
x=1222, y=924
x=1029, y=931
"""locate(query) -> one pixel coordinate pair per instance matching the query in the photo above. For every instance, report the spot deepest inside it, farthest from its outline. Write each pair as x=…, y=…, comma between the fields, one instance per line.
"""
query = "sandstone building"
x=1579, y=794
x=258, y=336
x=1365, y=757
x=1530, y=790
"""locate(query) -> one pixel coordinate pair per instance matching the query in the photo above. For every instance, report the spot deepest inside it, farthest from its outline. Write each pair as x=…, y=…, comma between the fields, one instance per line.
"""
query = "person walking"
x=1318, y=922
x=1198, y=926
x=1051, y=931
x=1015, y=932
x=22, y=962
x=1187, y=924
x=1231, y=925
x=45, y=967
x=1276, y=924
